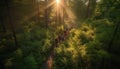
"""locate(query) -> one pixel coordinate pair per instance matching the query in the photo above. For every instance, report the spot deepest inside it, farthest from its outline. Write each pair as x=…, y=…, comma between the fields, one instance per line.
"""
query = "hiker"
x=65, y=33
x=56, y=41
x=62, y=37
x=59, y=38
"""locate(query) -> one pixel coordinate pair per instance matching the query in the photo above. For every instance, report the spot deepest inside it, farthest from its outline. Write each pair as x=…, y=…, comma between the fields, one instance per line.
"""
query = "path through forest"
x=60, y=38
x=63, y=34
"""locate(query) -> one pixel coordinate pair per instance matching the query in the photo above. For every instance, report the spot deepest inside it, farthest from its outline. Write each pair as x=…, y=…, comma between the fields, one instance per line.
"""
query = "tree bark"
x=11, y=23
x=46, y=14
x=112, y=39
x=38, y=9
x=2, y=25
x=110, y=45
x=90, y=7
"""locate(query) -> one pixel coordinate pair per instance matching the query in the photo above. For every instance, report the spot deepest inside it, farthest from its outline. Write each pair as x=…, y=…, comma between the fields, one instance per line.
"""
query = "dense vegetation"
x=30, y=31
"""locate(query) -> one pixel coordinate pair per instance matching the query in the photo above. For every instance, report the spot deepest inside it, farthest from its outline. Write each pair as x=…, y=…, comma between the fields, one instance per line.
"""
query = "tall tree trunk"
x=34, y=10
x=110, y=45
x=11, y=23
x=2, y=24
x=63, y=11
x=112, y=39
x=38, y=9
x=90, y=7
x=87, y=9
x=46, y=14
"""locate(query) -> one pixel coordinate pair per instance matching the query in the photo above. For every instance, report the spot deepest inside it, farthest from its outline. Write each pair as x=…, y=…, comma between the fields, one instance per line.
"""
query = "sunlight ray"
x=49, y=5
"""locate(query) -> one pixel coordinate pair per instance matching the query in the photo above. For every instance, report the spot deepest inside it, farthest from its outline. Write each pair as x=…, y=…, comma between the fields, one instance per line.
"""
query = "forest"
x=59, y=34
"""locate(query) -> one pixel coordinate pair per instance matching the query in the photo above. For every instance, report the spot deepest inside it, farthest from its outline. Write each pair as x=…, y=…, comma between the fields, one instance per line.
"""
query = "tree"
x=3, y=28
x=46, y=14
x=90, y=8
x=11, y=23
x=109, y=10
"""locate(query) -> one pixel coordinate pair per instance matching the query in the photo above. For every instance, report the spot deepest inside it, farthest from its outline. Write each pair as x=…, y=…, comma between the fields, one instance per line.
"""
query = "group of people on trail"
x=62, y=36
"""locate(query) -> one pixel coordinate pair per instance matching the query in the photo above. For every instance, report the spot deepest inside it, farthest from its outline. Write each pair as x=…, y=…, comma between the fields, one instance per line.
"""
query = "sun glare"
x=57, y=1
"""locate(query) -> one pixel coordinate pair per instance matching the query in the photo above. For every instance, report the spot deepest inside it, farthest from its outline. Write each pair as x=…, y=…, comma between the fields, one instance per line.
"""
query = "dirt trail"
x=49, y=62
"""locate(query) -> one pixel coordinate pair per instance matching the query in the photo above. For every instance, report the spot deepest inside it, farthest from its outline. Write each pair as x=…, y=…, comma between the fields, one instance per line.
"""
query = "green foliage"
x=85, y=47
x=27, y=62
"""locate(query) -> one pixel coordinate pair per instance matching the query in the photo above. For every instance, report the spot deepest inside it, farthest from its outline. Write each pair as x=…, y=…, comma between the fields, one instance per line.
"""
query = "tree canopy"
x=59, y=34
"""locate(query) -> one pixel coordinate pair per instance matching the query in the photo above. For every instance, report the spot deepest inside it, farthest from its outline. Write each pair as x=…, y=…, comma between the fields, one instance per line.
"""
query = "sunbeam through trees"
x=59, y=34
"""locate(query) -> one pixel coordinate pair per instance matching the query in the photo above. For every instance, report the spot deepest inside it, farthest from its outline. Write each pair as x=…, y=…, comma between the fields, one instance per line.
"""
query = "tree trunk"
x=110, y=45
x=38, y=9
x=112, y=39
x=46, y=14
x=90, y=7
x=2, y=24
x=11, y=23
